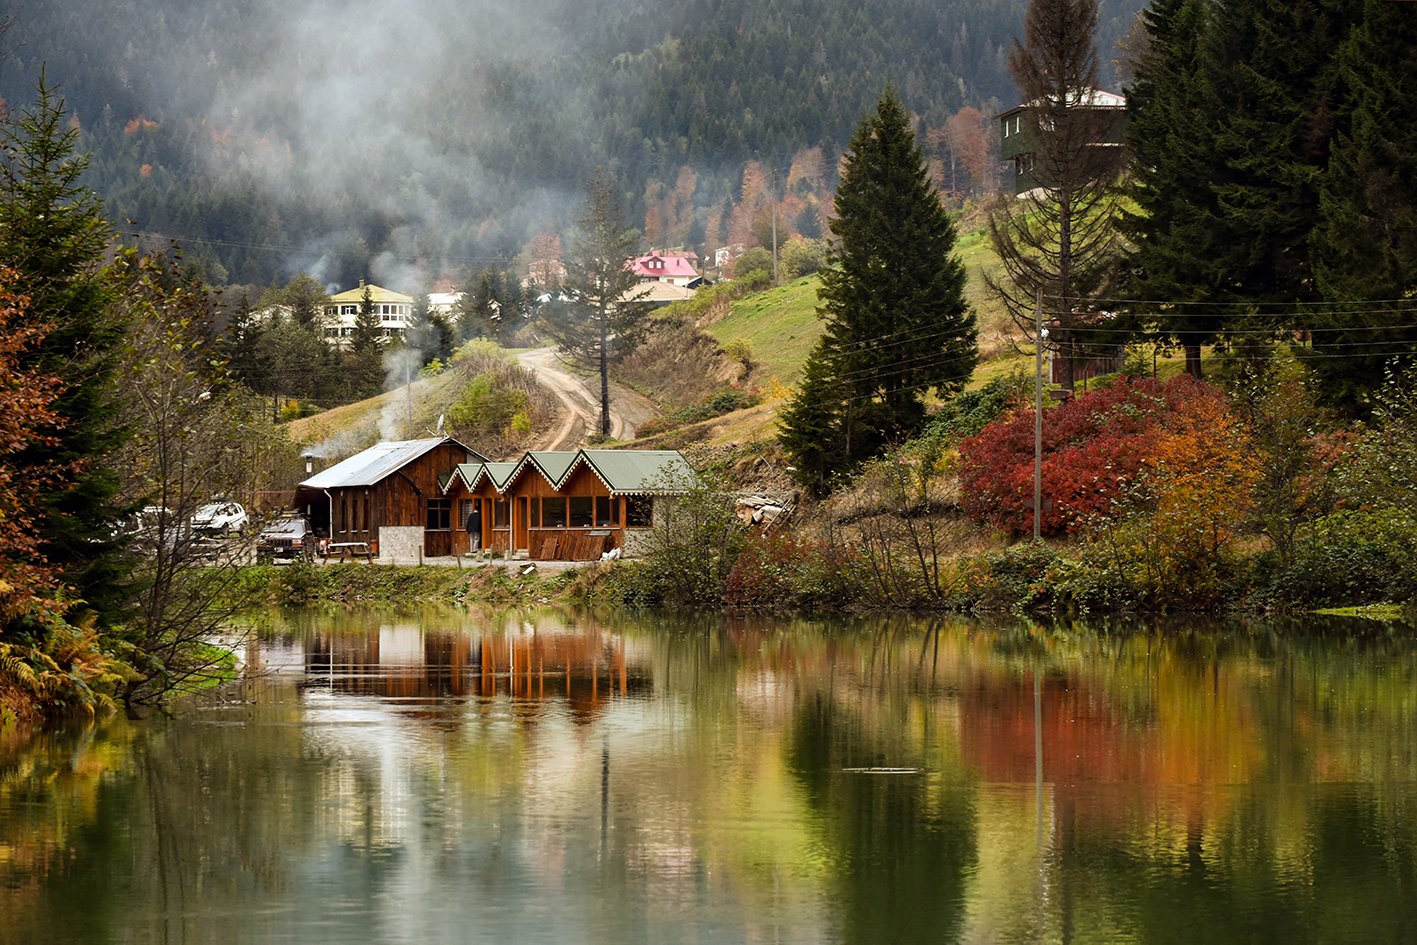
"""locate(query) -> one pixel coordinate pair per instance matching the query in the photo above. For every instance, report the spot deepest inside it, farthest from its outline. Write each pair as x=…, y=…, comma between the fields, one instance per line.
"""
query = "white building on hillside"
x=394, y=310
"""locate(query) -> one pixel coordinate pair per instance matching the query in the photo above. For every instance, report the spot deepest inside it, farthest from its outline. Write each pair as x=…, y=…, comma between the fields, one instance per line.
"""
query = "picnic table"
x=349, y=550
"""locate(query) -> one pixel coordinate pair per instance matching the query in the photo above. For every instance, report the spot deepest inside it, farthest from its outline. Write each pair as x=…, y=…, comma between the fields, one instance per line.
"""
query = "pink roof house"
x=664, y=267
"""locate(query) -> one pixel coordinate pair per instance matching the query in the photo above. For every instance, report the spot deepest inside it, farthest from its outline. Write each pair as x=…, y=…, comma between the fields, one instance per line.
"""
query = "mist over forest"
x=409, y=142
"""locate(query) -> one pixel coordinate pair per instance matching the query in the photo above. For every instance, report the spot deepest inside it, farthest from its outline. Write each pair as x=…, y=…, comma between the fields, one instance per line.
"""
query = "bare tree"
x=197, y=438
x=1060, y=235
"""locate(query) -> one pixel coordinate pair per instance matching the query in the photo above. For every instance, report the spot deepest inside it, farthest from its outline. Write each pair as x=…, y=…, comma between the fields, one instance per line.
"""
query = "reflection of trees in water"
x=1242, y=782
x=900, y=846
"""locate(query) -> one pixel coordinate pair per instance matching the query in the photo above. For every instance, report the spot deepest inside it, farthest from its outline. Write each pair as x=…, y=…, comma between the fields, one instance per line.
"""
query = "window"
x=607, y=510
x=499, y=513
x=366, y=513
x=582, y=511
x=553, y=512
x=440, y=515
x=639, y=511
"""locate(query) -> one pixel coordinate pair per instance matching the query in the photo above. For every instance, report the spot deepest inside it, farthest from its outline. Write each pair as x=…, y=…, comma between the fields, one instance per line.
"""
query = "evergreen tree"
x=364, y=365
x=893, y=302
x=1172, y=146
x=241, y=346
x=601, y=317
x=53, y=235
x=306, y=299
x=1366, y=246
x=368, y=332
x=1060, y=237
x=1232, y=127
x=424, y=335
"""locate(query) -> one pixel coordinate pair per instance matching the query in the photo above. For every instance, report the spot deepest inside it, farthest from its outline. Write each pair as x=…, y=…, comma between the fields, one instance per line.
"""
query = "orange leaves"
x=1204, y=478
x=26, y=414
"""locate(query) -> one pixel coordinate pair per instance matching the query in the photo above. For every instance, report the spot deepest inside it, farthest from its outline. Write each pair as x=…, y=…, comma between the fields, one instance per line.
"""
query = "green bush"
x=1348, y=559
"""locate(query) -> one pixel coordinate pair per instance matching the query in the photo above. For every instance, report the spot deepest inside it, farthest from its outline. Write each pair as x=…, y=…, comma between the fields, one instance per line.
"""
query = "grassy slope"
x=355, y=426
x=781, y=326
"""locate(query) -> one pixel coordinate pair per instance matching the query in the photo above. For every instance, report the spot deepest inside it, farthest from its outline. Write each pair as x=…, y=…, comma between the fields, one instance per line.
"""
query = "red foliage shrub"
x=1093, y=446
x=765, y=573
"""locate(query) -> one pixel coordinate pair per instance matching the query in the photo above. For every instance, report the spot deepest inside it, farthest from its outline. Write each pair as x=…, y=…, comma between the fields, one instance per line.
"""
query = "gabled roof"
x=663, y=265
x=552, y=464
x=472, y=473
x=377, y=463
x=636, y=471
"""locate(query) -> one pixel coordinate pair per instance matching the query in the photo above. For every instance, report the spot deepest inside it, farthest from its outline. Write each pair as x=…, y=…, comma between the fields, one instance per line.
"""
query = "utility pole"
x=773, y=197
x=1038, y=412
x=408, y=392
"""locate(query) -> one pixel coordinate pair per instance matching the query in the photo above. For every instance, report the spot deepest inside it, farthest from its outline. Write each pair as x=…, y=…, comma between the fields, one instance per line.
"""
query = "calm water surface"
x=446, y=776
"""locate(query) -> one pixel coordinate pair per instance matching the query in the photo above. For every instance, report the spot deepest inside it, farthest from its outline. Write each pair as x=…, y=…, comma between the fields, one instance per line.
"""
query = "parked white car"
x=221, y=517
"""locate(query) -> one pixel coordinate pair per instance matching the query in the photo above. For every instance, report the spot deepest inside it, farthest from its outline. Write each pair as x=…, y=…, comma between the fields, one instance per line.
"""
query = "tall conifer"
x=53, y=235
x=1366, y=246
x=896, y=322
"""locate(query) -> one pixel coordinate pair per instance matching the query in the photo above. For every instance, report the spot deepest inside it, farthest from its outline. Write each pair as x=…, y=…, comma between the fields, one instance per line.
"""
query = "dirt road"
x=580, y=402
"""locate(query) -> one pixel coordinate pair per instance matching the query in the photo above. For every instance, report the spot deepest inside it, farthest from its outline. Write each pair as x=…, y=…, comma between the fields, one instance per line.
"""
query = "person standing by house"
x=474, y=528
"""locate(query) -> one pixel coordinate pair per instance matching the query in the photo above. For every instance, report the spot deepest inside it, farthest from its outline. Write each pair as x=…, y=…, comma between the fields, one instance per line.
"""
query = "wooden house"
x=1102, y=123
x=568, y=505
x=391, y=496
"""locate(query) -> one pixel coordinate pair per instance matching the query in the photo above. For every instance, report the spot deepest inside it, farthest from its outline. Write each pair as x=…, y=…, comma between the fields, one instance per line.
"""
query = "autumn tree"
x=54, y=237
x=896, y=322
x=601, y=317
x=28, y=582
x=1060, y=237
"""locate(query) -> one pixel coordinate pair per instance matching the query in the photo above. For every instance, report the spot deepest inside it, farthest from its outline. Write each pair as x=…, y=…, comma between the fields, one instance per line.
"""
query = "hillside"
x=269, y=140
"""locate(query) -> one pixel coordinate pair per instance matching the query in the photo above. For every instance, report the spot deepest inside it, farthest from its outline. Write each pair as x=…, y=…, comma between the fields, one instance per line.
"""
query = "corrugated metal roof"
x=631, y=471
x=377, y=462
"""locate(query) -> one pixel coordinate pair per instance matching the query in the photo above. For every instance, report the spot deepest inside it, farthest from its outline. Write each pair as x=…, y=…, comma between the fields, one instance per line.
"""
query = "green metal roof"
x=637, y=471
x=470, y=473
x=624, y=472
x=550, y=463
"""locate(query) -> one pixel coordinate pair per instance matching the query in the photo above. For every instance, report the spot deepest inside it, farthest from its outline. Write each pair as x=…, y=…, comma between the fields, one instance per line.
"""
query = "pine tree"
x=1172, y=148
x=1231, y=134
x=364, y=368
x=1366, y=246
x=896, y=322
x=601, y=317
x=53, y=235
x=424, y=335
x=368, y=333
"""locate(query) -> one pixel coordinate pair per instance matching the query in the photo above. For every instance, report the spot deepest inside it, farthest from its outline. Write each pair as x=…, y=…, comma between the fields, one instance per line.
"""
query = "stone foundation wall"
x=400, y=541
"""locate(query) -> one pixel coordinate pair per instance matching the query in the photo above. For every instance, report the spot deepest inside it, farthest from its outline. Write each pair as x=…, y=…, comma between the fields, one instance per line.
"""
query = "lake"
x=546, y=776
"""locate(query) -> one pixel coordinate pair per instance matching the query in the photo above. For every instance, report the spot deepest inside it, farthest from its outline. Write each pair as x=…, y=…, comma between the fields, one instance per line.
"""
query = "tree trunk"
x=1193, y=359
x=604, y=383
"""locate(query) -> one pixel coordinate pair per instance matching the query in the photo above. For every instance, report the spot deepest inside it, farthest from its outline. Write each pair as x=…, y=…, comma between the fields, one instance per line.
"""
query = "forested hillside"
x=413, y=141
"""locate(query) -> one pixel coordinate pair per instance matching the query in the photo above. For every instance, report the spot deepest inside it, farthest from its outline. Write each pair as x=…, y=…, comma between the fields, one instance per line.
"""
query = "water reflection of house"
x=585, y=671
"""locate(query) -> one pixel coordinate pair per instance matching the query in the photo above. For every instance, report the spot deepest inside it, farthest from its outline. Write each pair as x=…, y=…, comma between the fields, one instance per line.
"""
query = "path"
x=581, y=404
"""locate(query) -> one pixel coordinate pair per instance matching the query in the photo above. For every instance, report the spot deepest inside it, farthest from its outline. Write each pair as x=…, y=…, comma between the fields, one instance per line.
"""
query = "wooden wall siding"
x=560, y=544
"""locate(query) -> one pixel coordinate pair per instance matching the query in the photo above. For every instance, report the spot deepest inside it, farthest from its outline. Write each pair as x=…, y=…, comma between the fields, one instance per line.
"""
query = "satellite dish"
x=440, y=424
